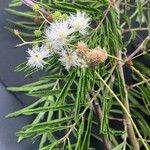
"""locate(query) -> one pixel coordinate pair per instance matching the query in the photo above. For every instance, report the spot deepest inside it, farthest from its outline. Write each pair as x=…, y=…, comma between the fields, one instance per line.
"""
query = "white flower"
x=69, y=59
x=54, y=47
x=80, y=22
x=59, y=32
x=36, y=56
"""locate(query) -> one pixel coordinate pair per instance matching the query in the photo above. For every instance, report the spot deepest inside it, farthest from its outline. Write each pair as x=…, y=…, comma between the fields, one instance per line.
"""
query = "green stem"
x=28, y=43
x=140, y=75
x=125, y=110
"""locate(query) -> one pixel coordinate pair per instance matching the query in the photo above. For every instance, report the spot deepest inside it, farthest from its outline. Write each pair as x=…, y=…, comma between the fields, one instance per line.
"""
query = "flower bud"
x=57, y=15
x=36, y=8
x=16, y=32
x=37, y=33
x=37, y=20
x=97, y=56
x=64, y=16
x=82, y=47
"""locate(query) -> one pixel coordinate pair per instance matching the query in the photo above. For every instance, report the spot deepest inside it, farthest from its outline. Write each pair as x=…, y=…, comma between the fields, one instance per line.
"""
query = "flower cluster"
x=58, y=38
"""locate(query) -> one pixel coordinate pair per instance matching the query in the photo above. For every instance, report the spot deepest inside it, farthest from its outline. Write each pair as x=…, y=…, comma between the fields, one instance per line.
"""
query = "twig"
x=98, y=112
x=135, y=29
x=44, y=17
x=116, y=119
x=142, y=45
x=141, y=54
x=140, y=75
x=28, y=43
x=116, y=58
x=137, y=84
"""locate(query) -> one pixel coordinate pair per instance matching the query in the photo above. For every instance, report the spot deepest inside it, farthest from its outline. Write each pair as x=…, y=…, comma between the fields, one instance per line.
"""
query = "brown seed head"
x=97, y=56
x=37, y=20
x=82, y=47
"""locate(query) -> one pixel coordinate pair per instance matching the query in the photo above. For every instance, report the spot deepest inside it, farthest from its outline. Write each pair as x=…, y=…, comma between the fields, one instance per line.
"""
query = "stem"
x=140, y=75
x=142, y=45
x=127, y=118
x=141, y=54
x=127, y=123
x=138, y=84
x=28, y=43
x=98, y=112
x=44, y=17
x=125, y=110
x=135, y=29
x=115, y=58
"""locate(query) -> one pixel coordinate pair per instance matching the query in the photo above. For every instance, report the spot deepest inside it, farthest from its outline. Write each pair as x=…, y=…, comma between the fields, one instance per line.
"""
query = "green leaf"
x=80, y=134
x=81, y=91
x=48, y=92
x=21, y=67
x=70, y=79
x=15, y=3
x=41, y=109
x=51, y=123
x=17, y=24
x=88, y=131
x=119, y=147
x=68, y=7
x=27, y=14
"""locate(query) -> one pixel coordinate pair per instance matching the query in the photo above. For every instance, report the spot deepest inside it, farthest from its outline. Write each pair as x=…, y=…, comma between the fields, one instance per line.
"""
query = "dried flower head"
x=97, y=56
x=82, y=47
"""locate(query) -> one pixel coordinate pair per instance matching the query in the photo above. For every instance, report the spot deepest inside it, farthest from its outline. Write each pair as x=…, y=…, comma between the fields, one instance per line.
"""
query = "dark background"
x=10, y=57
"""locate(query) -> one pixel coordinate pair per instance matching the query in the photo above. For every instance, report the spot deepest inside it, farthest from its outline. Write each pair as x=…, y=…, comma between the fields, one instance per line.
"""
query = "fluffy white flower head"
x=36, y=56
x=69, y=59
x=54, y=47
x=59, y=32
x=80, y=22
